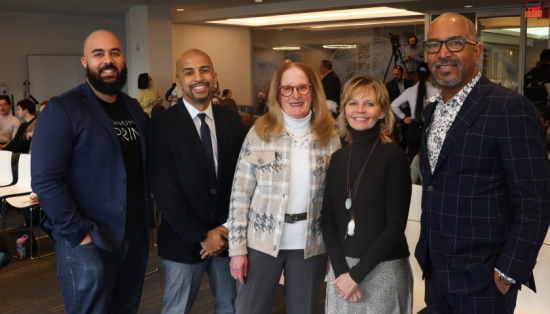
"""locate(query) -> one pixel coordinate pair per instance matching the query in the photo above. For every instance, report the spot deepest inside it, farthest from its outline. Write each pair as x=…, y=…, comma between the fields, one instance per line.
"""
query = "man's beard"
x=103, y=87
x=450, y=83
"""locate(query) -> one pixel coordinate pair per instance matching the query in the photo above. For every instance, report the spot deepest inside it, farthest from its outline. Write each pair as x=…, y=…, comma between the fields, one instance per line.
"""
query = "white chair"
x=21, y=187
x=6, y=173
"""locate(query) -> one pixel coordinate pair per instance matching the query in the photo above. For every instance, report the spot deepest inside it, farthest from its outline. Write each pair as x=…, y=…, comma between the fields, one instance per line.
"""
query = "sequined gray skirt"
x=387, y=289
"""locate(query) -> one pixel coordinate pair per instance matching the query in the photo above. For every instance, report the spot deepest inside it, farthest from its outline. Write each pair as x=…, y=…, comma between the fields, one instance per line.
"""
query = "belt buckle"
x=291, y=218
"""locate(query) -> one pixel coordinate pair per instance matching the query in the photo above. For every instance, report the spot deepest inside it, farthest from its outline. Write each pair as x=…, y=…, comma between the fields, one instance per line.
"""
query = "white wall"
x=29, y=33
x=230, y=51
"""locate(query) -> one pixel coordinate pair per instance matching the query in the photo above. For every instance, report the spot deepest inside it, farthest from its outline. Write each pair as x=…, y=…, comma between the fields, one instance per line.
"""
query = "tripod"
x=396, y=55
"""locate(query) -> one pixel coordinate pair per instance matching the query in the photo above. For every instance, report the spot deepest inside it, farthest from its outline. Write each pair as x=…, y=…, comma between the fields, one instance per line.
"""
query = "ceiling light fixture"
x=180, y=10
x=286, y=48
x=339, y=46
x=322, y=16
x=366, y=23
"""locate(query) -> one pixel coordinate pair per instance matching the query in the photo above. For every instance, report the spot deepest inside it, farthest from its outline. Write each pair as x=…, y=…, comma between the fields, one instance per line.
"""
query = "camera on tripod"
x=394, y=39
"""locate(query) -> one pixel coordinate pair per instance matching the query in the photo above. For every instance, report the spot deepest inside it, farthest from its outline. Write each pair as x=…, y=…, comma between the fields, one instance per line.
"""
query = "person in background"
x=147, y=95
x=544, y=113
x=365, y=208
x=173, y=94
x=26, y=111
x=395, y=87
x=485, y=181
x=229, y=104
x=262, y=104
x=416, y=96
x=216, y=100
x=414, y=55
x=331, y=84
x=193, y=150
x=227, y=93
x=8, y=123
x=276, y=197
x=88, y=170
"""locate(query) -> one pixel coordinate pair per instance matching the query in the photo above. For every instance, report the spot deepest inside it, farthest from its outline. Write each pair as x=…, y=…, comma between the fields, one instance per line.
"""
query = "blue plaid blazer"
x=487, y=203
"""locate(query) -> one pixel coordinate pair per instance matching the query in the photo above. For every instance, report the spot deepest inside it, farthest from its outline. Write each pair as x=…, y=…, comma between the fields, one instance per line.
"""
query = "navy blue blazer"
x=191, y=203
x=78, y=170
x=393, y=88
x=487, y=203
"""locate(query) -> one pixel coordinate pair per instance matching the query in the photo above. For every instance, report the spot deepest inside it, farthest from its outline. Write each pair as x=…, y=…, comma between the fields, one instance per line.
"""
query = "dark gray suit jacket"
x=487, y=203
x=191, y=203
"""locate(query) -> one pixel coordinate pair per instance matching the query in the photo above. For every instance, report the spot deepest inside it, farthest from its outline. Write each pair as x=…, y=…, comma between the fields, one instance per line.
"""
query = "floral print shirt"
x=443, y=118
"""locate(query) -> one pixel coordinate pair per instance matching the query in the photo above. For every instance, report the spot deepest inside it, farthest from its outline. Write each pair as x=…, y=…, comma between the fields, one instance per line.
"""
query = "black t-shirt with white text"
x=129, y=137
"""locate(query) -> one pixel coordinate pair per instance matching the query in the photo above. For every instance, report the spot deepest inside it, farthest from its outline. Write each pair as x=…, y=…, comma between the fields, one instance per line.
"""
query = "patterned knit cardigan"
x=260, y=191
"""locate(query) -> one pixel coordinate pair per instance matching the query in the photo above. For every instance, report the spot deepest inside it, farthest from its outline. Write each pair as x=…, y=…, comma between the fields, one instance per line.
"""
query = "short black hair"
x=27, y=104
x=6, y=98
x=225, y=92
x=545, y=56
x=143, y=81
x=398, y=68
x=327, y=64
x=413, y=36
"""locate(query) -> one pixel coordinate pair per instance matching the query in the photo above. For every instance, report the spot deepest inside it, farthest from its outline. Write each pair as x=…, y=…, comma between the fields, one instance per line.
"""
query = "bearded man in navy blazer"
x=485, y=176
x=88, y=169
x=193, y=151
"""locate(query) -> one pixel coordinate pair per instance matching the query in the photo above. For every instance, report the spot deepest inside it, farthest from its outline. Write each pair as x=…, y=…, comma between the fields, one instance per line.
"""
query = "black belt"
x=292, y=218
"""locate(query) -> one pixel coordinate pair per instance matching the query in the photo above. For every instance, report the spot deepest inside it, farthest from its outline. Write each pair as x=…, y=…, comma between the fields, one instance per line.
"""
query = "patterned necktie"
x=206, y=140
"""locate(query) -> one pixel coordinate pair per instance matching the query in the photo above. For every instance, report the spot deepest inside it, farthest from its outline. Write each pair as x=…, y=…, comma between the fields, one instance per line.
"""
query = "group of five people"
x=283, y=198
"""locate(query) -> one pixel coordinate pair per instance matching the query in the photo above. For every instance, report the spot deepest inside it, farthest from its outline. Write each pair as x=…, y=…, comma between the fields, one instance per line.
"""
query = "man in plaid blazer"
x=486, y=187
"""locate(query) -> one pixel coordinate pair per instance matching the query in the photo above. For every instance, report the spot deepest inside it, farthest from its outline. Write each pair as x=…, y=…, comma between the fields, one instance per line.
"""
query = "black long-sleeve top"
x=381, y=205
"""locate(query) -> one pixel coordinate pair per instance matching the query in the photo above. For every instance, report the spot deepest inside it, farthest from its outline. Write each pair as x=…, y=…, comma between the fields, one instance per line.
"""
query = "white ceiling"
x=197, y=11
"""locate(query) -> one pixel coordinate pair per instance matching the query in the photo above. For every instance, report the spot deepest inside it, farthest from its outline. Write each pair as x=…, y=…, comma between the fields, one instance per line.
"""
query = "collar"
x=459, y=98
x=193, y=112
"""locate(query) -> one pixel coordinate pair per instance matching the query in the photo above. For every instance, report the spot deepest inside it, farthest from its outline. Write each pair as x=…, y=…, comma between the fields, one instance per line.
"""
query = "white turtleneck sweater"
x=294, y=235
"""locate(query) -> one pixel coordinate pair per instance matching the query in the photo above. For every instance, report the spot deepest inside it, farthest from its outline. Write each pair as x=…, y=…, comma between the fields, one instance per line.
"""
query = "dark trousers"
x=303, y=282
x=93, y=280
x=486, y=301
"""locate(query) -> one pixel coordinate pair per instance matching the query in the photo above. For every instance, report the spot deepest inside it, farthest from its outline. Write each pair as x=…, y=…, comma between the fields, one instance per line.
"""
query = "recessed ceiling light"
x=469, y=6
x=258, y=1
x=180, y=10
x=339, y=46
x=286, y=48
x=322, y=16
x=366, y=23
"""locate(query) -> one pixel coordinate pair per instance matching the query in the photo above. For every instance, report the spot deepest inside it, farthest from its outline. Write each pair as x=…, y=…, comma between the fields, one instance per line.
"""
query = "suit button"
x=213, y=191
x=261, y=161
x=430, y=188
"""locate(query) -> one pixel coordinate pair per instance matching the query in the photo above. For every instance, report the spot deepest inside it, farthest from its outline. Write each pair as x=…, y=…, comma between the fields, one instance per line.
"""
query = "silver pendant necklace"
x=349, y=201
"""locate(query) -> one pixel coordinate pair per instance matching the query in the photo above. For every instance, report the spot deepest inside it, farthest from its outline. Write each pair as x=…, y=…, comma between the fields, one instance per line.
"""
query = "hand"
x=407, y=120
x=215, y=242
x=239, y=267
x=345, y=286
x=87, y=239
x=355, y=297
x=28, y=135
x=502, y=287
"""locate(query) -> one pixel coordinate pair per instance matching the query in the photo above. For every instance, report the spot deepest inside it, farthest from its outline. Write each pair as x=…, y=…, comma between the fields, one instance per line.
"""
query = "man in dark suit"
x=486, y=186
x=88, y=169
x=193, y=151
x=331, y=84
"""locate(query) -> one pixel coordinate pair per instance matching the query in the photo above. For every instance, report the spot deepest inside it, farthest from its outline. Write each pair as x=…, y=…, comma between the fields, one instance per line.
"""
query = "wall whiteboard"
x=52, y=75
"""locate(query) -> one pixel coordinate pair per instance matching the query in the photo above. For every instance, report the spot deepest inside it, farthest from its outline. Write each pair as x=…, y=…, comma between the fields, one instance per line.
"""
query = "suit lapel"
x=472, y=107
x=189, y=131
x=221, y=134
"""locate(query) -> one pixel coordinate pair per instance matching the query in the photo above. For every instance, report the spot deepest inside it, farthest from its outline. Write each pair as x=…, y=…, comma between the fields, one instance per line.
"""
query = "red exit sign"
x=533, y=12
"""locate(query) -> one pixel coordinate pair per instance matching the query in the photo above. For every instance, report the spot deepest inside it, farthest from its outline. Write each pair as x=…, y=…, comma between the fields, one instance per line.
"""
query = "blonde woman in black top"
x=365, y=208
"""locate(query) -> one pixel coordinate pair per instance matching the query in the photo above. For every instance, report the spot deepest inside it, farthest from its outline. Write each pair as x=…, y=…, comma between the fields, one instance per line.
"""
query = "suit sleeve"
x=166, y=187
x=52, y=147
x=523, y=152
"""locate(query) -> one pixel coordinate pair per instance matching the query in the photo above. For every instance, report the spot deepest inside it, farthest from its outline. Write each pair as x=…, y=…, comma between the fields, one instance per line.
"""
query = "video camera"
x=394, y=39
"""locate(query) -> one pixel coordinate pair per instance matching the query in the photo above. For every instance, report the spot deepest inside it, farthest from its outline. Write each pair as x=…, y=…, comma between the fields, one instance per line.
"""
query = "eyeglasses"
x=287, y=90
x=4, y=104
x=453, y=44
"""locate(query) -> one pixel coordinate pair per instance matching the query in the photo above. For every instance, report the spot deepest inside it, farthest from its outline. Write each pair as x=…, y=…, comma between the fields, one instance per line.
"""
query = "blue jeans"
x=183, y=282
x=93, y=280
